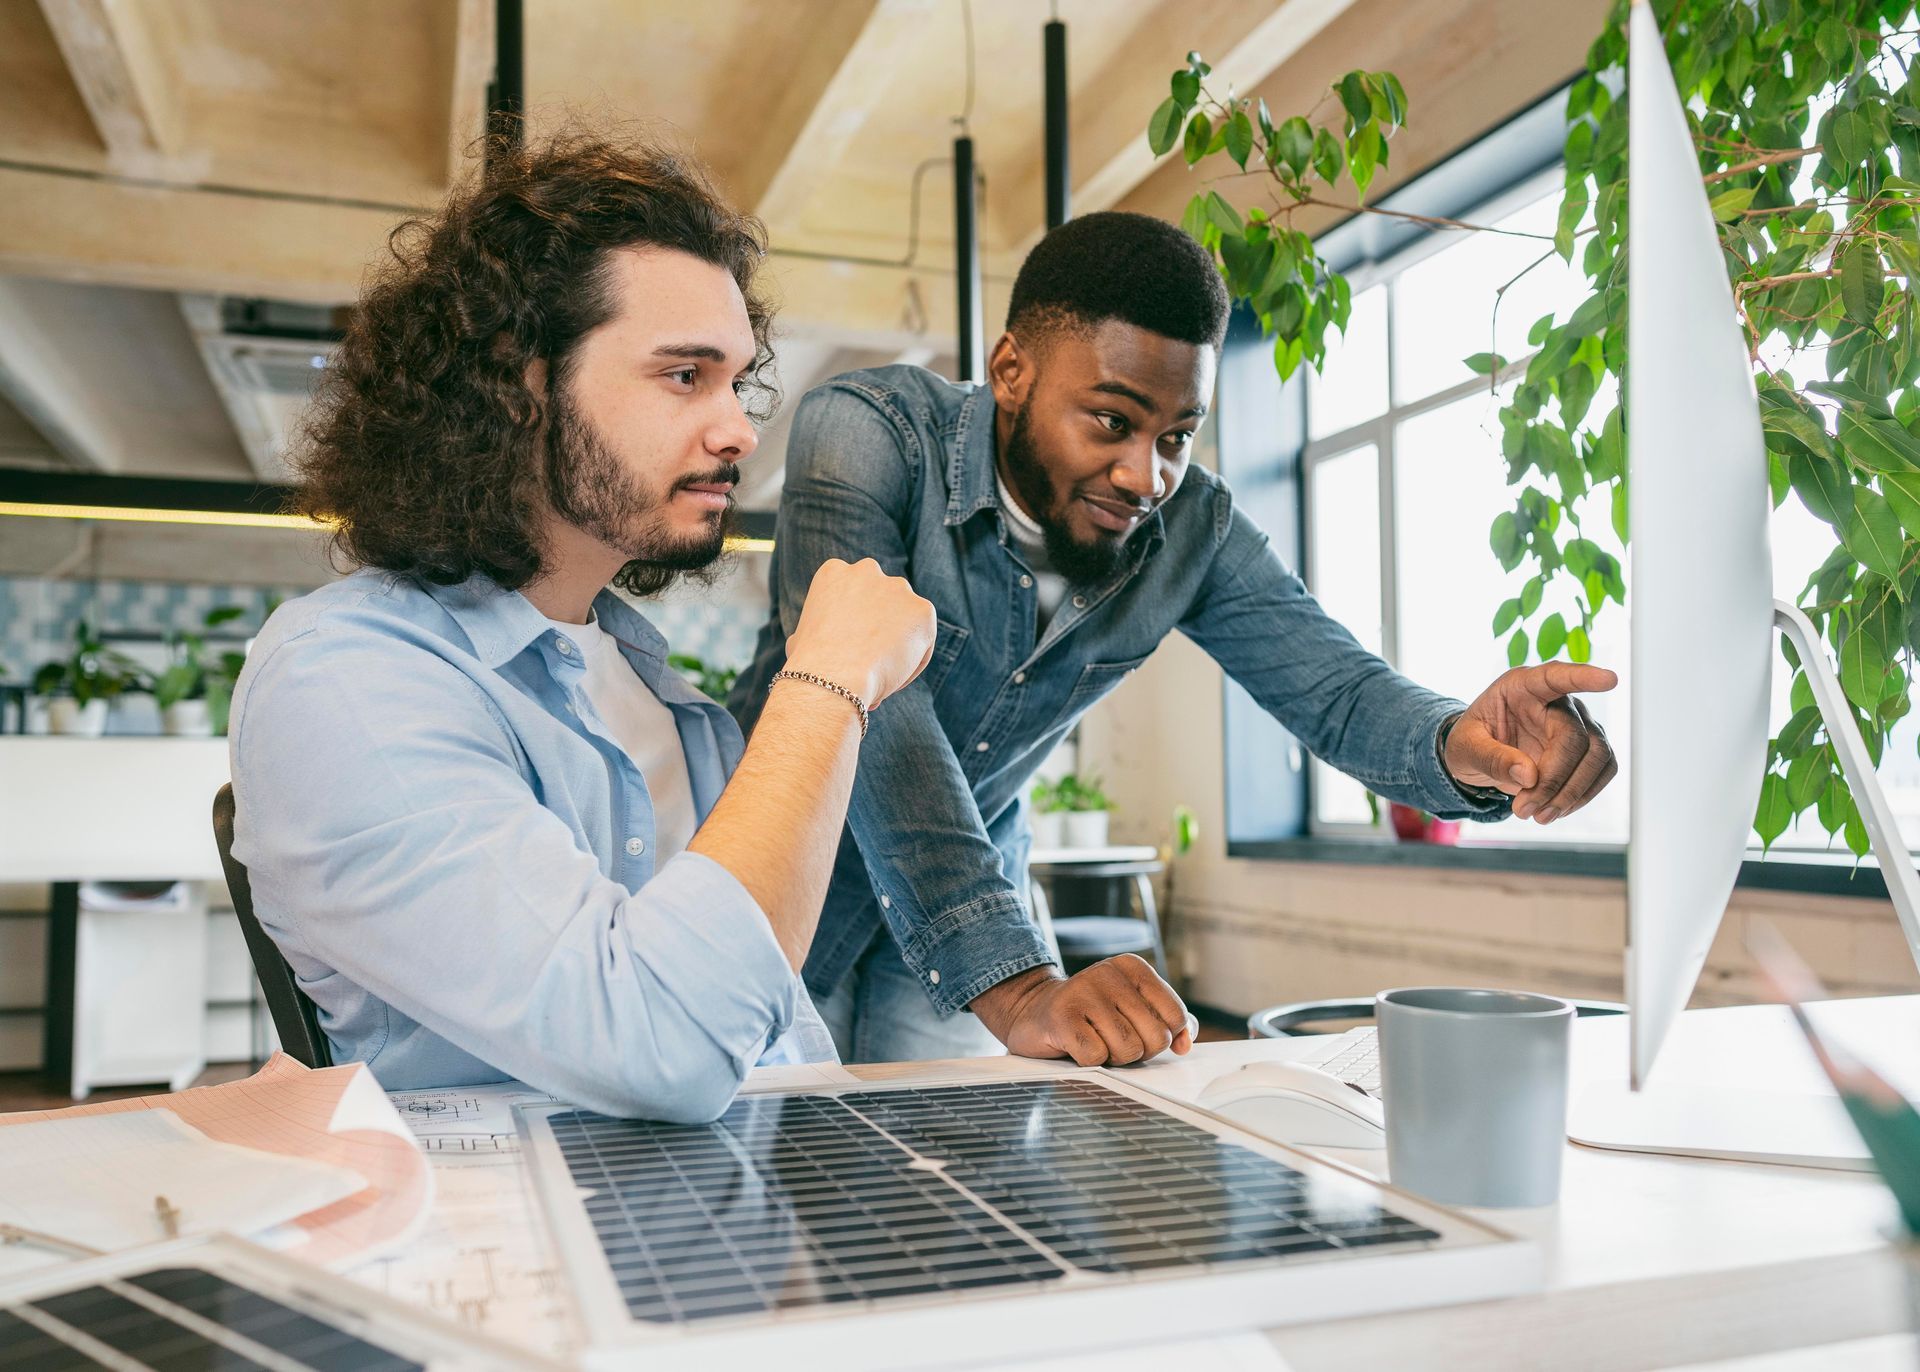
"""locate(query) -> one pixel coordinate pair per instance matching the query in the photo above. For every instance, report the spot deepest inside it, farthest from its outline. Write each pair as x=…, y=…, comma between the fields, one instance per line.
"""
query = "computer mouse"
x=1291, y=1102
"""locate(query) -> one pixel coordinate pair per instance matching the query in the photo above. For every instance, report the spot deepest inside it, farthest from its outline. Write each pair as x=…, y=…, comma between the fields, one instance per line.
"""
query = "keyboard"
x=1358, y=1064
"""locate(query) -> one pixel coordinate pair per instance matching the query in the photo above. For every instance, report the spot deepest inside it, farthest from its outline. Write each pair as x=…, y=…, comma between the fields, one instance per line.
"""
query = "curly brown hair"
x=424, y=444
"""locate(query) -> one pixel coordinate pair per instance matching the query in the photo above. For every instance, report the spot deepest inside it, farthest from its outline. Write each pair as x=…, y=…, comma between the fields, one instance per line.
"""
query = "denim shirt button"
x=1079, y=602
x=934, y=977
x=565, y=645
x=1019, y=678
x=886, y=902
x=636, y=846
x=1026, y=582
x=982, y=746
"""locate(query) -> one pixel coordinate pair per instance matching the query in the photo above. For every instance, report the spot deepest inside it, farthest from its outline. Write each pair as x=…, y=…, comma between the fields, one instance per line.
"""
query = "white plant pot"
x=187, y=719
x=65, y=715
x=1050, y=829
x=1087, y=829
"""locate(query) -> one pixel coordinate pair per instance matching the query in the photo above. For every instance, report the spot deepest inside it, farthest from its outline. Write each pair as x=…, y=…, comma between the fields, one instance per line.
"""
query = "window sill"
x=1809, y=873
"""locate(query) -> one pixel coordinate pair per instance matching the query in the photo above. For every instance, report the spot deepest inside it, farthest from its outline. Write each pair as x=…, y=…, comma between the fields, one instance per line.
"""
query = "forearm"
x=777, y=825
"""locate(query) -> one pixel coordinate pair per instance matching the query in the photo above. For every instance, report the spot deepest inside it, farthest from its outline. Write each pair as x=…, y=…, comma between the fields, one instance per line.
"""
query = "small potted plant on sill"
x=1087, y=811
x=1049, y=815
x=197, y=688
x=80, y=688
x=1411, y=825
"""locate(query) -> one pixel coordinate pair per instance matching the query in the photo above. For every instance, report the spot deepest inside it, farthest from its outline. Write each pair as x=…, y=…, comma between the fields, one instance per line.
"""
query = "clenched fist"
x=1114, y=1012
x=862, y=629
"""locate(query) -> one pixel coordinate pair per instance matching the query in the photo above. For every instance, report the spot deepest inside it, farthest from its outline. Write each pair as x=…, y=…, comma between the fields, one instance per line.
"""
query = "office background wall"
x=151, y=579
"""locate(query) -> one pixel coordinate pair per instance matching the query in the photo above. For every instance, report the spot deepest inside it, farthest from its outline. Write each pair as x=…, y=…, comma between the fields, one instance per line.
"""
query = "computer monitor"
x=1703, y=609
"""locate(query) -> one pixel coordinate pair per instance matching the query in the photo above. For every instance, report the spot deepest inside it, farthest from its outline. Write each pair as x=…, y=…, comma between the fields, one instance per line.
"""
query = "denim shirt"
x=456, y=857
x=897, y=464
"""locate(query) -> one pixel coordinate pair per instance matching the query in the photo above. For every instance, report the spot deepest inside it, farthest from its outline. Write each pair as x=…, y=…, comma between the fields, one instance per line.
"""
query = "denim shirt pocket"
x=949, y=641
x=1096, y=679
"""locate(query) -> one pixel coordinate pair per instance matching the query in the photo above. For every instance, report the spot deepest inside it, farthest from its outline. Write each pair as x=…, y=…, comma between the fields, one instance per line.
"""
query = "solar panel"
x=210, y=1305
x=799, y=1207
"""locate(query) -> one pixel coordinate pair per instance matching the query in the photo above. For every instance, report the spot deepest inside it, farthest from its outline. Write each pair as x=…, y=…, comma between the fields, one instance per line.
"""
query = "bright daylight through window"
x=1404, y=476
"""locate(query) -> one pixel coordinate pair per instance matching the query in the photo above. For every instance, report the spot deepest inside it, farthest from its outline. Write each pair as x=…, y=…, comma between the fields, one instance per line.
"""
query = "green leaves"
x=1552, y=636
x=1352, y=90
x=1240, y=138
x=1730, y=205
x=1163, y=130
x=1365, y=152
x=1862, y=282
x=1293, y=143
x=1872, y=534
x=1484, y=364
x=1328, y=156
x=1775, y=811
x=1199, y=138
x=1823, y=487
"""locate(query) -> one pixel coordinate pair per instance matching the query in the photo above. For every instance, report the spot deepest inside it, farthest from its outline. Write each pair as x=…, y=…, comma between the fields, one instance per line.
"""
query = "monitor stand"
x=1712, y=1115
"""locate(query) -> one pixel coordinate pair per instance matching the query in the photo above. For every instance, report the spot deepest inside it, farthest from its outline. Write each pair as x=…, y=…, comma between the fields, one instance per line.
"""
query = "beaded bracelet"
x=833, y=686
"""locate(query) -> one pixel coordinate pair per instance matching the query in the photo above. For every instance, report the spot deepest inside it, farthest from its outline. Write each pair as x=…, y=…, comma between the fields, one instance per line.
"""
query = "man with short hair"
x=1054, y=521
x=494, y=834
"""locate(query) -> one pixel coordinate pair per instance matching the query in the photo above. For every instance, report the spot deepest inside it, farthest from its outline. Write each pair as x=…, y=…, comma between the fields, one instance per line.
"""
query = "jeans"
x=879, y=1013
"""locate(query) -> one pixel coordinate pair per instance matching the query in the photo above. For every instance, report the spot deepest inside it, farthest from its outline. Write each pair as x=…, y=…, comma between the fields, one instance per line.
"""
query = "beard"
x=589, y=487
x=1082, y=563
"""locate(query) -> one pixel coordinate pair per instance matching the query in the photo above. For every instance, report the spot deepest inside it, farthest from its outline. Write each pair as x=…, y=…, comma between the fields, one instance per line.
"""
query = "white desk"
x=1652, y=1262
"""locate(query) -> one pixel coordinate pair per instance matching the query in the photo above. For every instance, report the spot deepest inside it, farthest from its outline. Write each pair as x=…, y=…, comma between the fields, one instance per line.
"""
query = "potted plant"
x=1412, y=825
x=1087, y=811
x=713, y=682
x=1049, y=818
x=196, y=689
x=80, y=687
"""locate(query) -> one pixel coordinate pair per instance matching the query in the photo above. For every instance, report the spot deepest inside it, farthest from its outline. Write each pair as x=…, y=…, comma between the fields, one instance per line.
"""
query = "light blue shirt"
x=457, y=859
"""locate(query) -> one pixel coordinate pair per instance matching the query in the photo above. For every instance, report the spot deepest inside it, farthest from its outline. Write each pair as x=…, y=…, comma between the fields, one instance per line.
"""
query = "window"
x=1402, y=476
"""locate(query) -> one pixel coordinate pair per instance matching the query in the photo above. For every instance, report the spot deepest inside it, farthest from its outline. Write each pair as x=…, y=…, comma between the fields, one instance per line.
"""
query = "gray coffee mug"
x=1475, y=1089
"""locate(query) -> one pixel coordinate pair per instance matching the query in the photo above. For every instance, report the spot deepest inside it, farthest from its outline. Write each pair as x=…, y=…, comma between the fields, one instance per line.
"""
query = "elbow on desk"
x=697, y=1091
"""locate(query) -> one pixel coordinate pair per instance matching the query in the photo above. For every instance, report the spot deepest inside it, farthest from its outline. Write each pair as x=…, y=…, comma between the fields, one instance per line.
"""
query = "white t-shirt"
x=1031, y=540
x=643, y=727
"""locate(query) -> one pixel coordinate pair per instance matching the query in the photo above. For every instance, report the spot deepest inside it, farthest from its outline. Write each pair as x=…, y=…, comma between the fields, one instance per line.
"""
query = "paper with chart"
x=113, y=1181
x=337, y=1116
x=483, y=1258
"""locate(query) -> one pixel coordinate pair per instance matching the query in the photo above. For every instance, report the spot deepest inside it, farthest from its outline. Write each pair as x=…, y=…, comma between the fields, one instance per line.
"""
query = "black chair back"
x=294, y=1017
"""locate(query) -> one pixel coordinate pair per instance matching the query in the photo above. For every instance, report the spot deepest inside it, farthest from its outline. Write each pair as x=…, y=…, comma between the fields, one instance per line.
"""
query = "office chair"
x=294, y=1018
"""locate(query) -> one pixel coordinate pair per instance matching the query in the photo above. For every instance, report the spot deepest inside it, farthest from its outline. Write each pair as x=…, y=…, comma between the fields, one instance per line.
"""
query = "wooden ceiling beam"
x=836, y=90
x=120, y=66
x=92, y=229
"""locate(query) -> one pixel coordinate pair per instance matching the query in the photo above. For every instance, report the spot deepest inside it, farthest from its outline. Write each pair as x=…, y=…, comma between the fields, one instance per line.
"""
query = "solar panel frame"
x=979, y=1322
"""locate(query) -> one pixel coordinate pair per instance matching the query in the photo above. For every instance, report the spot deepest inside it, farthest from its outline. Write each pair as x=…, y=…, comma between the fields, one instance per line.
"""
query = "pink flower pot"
x=1417, y=826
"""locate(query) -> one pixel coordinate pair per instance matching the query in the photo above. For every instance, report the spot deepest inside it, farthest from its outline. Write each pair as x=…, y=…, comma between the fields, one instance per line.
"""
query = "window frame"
x=1501, y=171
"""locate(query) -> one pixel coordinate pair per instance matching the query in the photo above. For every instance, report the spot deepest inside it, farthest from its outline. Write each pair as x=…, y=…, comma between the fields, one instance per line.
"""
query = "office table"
x=1652, y=1262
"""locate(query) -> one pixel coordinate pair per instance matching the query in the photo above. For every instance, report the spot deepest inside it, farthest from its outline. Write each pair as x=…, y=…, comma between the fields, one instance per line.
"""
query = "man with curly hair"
x=494, y=834
x=1055, y=522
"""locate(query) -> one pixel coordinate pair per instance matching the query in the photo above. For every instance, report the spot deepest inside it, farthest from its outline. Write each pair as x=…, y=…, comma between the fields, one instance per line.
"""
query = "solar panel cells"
x=159, y=1319
x=800, y=1200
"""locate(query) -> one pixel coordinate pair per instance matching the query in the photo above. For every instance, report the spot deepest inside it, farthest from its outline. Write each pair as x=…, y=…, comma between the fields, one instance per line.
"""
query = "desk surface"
x=1652, y=1262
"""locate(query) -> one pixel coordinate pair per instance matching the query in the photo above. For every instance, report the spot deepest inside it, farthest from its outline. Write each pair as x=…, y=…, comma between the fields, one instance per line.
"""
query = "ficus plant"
x=1806, y=118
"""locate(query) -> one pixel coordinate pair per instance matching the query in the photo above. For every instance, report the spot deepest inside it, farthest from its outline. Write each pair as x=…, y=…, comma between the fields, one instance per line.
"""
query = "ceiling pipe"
x=966, y=247
x=1054, y=53
x=507, y=93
